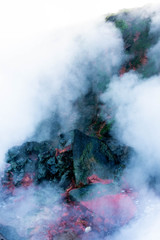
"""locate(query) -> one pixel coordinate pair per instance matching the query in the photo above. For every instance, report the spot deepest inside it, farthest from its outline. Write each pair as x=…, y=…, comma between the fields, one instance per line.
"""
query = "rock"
x=83, y=157
x=66, y=139
x=65, y=180
x=91, y=156
x=39, y=162
x=52, y=166
x=121, y=154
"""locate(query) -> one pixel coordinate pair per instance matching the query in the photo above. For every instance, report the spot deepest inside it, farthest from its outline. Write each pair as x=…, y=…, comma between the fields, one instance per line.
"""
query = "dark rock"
x=13, y=153
x=65, y=172
x=91, y=156
x=17, y=178
x=121, y=154
x=66, y=139
x=52, y=166
x=37, y=162
x=41, y=171
x=87, y=107
x=83, y=157
x=65, y=180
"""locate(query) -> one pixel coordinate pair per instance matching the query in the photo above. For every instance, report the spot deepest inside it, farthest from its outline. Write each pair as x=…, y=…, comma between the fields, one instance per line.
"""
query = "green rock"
x=91, y=156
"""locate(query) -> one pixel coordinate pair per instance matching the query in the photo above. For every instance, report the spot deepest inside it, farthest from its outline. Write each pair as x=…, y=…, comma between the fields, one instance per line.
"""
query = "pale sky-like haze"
x=43, y=15
x=28, y=48
x=44, y=45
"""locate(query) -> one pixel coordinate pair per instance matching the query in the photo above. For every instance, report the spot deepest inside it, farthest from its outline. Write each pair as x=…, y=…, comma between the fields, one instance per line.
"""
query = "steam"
x=41, y=80
x=32, y=210
x=43, y=77
x=146, y=223
x=135, y=104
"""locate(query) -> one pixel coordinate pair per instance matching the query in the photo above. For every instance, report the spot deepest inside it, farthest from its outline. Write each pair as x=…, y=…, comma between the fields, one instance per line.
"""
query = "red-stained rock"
x=95, y=179
x=117, y=209
x=27, y=180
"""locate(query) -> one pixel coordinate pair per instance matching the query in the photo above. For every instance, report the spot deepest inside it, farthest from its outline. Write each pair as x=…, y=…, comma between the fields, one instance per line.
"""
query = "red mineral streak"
x=106, y=212
x=118, y=208
x=100, y=213
x=9, y=186
x=95, y=179
x=98, y=133
x=27, y=180
x=122, y=71
x=76, y=218
x=59, y=151
x=144, y=60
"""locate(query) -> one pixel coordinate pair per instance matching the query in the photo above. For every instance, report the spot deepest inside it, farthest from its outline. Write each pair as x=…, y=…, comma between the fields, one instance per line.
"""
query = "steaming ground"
x=41, y=79
x=136, y=108
x=137, y=115
x=146, y=223
x=135, y=104
x=30, y=211
x=43, y=76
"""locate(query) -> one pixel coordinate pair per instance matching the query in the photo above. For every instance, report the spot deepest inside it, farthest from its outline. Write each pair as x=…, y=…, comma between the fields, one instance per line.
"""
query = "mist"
x=44, y=76
x=135, y=103
x=46, y=66
x=137, y=117
x=30, y=211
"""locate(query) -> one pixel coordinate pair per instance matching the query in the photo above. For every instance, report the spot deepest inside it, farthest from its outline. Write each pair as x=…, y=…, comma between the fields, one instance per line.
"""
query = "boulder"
x=91, y=156
x=35, y=162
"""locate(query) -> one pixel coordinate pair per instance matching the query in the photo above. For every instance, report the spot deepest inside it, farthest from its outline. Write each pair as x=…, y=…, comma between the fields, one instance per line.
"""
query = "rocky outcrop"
x=35, y=162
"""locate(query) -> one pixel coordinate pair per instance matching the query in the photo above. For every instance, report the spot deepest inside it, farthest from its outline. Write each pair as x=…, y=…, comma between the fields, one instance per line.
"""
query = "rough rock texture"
x=36, y=162
x=84, y=161
x=93, y=156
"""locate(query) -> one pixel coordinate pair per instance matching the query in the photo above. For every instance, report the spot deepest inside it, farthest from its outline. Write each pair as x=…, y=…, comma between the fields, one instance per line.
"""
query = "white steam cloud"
x=135, y=103
x=30, y=211
x=137, y=112
x=47, y=73
x=146, y=223
x=42, y=73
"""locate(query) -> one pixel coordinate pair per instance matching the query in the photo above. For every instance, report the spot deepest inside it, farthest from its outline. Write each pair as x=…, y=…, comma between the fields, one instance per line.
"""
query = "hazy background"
x=39, y=45
x=37, y=37
x=44, y=49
